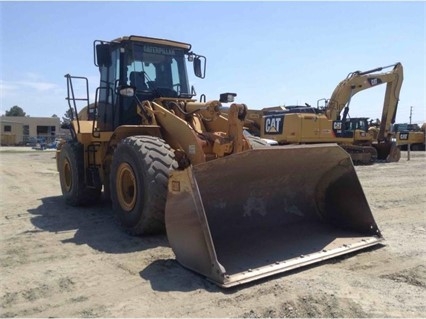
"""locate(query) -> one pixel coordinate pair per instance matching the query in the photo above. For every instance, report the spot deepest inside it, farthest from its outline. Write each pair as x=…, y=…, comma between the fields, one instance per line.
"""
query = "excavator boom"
x=358, y=81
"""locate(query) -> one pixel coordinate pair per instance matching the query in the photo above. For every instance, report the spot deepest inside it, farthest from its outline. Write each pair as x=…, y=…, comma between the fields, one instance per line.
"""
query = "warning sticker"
x=191, y=149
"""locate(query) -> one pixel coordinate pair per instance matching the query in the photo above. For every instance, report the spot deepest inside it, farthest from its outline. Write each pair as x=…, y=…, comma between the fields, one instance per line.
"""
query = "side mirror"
x=103, y=55
x=200, y=66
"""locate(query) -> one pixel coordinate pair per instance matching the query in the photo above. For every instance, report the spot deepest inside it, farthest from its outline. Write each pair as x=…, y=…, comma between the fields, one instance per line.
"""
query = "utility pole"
x=411, y=112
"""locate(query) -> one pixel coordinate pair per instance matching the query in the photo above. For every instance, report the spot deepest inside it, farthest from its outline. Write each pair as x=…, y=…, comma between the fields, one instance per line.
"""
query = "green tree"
x=66, y=119
x=15, y=111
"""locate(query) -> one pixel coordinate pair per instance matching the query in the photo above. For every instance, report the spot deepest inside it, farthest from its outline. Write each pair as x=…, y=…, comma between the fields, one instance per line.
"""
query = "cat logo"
x=374, y=81
x=337, y=128
x=274, y=124
x=403, y=136
x=337, y=125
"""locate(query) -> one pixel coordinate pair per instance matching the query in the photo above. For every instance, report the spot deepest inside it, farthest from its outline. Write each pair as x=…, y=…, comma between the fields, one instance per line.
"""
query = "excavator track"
x=361, y=155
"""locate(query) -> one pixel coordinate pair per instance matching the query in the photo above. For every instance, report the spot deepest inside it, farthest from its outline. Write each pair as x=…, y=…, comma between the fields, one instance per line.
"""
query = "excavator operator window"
x=362, y=125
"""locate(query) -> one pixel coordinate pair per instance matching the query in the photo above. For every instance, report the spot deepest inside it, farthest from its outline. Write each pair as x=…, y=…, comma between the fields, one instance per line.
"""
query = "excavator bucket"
x=266, y=211
x=388, y=151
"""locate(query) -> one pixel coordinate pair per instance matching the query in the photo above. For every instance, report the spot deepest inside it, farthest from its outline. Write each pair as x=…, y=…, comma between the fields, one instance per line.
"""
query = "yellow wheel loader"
x=233, y=212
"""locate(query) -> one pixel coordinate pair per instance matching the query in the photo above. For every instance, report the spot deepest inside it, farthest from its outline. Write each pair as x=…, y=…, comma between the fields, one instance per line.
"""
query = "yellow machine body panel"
x=306, y=128
x=410, y=134
x=404, y=138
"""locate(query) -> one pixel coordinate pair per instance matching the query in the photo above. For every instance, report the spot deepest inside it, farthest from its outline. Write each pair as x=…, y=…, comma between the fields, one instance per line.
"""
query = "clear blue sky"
x=269, y=53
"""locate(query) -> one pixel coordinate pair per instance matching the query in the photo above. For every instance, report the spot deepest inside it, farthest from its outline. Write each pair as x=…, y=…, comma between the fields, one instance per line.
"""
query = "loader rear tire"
x=71, y=175
x=138, y=183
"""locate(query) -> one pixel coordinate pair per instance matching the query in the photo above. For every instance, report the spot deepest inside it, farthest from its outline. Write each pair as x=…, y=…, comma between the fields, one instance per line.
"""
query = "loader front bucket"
x=266, y=211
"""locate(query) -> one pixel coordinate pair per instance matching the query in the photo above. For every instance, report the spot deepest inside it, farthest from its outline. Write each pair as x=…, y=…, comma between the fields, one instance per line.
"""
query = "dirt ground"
x=59, y=261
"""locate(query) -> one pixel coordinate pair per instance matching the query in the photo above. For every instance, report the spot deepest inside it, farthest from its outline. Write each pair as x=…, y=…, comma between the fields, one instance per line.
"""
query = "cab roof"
x=171, y=43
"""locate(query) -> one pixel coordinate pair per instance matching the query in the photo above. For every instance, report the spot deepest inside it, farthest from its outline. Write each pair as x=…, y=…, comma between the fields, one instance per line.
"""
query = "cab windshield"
x=357, y=124
x=159, y=70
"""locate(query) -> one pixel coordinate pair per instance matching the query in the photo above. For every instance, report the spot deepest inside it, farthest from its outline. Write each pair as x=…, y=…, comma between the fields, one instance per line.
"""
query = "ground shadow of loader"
x=93, y=225
x=167, y=275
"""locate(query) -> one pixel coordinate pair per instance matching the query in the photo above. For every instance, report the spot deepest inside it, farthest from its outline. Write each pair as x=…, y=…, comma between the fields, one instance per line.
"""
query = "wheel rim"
x=126, y=187
x=66, y=169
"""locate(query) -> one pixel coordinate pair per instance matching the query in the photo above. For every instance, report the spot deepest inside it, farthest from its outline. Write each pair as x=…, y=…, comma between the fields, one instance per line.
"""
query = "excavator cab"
x=351, y=127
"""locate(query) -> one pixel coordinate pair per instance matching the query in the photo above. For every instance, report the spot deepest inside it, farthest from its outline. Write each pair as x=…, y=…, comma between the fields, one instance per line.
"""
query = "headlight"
x=128, y=91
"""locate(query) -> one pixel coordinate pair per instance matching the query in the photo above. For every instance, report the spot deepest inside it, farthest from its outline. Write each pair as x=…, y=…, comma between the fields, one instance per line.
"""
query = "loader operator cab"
x=134, y=69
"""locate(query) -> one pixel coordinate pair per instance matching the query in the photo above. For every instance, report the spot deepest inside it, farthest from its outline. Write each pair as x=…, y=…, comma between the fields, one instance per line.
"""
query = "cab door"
x=107, y=117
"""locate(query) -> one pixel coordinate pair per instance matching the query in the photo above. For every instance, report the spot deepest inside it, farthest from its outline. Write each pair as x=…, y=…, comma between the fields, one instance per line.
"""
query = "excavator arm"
x=390, y=104
x=358, y=81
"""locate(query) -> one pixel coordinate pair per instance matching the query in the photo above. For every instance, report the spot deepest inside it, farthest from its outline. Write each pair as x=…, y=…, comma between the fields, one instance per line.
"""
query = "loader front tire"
x=71, y=175
x=138, y=183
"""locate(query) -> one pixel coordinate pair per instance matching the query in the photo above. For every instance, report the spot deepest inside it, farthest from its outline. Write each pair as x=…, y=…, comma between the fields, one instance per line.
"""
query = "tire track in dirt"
x=58, y=261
